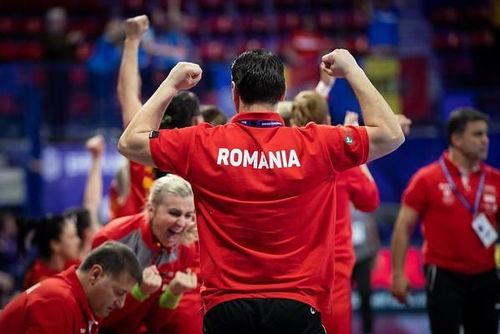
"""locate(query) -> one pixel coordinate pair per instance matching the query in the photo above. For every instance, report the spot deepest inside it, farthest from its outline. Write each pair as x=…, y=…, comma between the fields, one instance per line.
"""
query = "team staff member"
x=155, y=235
x=355, y=186
x=456, y=198
x=266, y=259
x=129, y=192
x=74, y=300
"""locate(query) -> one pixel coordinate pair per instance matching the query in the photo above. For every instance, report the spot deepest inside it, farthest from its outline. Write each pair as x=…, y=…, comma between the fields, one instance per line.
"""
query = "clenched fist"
x=338, y=63
x=183, y=281
x=184, y=75
x=151, y=280
x=136, y=27
x=96, y=146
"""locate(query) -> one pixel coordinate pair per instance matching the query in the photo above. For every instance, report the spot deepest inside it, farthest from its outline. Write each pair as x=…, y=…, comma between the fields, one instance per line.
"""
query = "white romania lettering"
x=258, y=159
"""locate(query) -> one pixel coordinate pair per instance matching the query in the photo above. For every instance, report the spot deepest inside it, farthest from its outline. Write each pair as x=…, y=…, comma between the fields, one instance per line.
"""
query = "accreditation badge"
x=484, y=230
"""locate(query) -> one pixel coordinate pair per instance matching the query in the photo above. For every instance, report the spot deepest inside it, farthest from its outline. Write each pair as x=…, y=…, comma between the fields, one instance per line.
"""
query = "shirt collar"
x=264, y=116
x=81, y=297
x=457, y=169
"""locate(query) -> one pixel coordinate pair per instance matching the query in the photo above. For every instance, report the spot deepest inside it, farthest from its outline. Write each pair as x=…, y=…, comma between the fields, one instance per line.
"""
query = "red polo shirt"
x=449, y=239
x=56, y=305
x=141, y=180
x=353, y=186
x=265, y=199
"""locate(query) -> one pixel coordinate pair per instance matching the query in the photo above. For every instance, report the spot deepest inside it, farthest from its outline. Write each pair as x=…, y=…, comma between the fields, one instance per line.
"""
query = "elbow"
x=396, y=139
x=123, y=146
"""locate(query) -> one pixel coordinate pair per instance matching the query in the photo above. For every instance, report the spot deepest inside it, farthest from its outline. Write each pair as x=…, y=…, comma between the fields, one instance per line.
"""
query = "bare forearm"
x=133, y=143
x=399, y=248
x=377, y=113
x=129, y=83
x=93, y=190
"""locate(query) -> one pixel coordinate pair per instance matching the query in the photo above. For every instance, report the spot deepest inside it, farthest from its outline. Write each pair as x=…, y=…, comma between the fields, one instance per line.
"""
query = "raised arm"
x=129, y=80
x=383, y=129
x=92, y=197
x=363, y=191
x=134, y=142
x=400, y=242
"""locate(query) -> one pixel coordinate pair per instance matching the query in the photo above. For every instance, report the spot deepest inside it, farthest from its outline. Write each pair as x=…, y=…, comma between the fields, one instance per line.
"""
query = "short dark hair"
x=458, y=119
x=259, y=77
x=82, y=219
x=115, y=259
x=49, y=229
x=181, y=110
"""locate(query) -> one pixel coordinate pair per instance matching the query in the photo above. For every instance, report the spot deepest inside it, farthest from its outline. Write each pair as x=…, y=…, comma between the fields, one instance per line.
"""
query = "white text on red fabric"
x=258, y=159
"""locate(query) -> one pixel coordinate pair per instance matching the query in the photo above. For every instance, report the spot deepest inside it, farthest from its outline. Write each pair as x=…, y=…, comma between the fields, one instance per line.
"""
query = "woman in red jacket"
x=58, y=248
x=355, y=186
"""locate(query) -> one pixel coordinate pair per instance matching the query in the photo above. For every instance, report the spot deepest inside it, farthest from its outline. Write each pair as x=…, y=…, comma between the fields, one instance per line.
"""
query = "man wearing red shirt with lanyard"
x=74, y=300
x=457, y=199
x=265, y=193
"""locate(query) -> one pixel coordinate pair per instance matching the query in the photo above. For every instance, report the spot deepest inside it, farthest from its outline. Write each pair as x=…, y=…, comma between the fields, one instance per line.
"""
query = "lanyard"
x=473, y=210
x=257, y=123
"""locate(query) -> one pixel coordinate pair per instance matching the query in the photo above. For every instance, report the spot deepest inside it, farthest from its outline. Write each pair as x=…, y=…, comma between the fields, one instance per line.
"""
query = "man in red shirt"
x=456, y=198
x=74, y=300
x=265, y=193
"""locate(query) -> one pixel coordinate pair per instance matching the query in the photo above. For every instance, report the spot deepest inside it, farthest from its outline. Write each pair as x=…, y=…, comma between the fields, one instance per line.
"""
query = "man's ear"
x=95, y=273
x=236, y=96
x=455, y=139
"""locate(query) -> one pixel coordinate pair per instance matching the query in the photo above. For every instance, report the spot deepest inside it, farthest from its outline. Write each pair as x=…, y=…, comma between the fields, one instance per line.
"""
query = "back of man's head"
x=457, y=122
x=115, y=259
x=181, y=111
x=259, y=77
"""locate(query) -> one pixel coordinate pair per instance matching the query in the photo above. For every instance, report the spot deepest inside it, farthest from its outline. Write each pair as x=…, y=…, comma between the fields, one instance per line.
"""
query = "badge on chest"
x=484, y=230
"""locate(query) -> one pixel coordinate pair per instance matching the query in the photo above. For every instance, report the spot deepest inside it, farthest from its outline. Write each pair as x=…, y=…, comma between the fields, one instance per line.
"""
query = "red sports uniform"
x=56, y=305
x=449, y=240
x=40, y=271
x=135, y=232
x=141, y=180
x=353, y=186
x=265, y=200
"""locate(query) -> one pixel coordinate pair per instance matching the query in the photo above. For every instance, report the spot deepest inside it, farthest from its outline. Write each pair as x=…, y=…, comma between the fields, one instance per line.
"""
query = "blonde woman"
x=156, y=236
